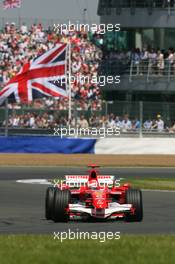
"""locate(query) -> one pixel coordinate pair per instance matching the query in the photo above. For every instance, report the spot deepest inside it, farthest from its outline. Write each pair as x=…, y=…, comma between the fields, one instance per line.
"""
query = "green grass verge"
x=151, y=183
x=130, y=249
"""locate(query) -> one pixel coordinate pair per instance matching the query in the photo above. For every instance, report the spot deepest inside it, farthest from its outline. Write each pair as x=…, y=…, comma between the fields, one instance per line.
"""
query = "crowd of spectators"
x=50, y=120
x=31, y=120
x=155, y=61
x=158, y=61
x=20, y=45
x=50, y=103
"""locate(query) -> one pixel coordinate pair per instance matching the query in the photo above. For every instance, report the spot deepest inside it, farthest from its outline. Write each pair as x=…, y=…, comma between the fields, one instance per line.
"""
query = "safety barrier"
x=126, y=146
x=50, y=144
x=131, y=146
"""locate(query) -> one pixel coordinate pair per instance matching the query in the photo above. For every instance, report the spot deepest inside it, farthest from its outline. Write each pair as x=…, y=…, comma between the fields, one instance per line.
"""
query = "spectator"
x=111, y=121
x=160, y=62
x=172, y=129
x=147, y=125
x=15, y=121
x=118, y=122
x=135, y=124
x=24, y=29
x=160, y=124
x=170, y=60
x=153, y=61
x=126, y=124
x=32, y=121
x=83, y=123
x=136, y=57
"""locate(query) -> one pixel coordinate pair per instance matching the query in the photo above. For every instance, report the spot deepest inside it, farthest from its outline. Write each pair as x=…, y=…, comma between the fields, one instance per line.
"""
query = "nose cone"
x=99, y=199
x=100, y=204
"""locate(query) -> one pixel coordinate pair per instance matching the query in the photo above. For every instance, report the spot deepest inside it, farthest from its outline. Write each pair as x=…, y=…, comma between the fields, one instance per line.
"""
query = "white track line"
x=34, y=181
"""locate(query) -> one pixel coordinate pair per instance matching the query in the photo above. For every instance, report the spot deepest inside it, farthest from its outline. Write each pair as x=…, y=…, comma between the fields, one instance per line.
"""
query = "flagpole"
x=69, y=84
x=19, y=17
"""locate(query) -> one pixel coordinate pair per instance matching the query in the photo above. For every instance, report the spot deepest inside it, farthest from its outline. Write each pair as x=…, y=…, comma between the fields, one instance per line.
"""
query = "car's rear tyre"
x=61, y=203
x=134, y=197
x=49, y=203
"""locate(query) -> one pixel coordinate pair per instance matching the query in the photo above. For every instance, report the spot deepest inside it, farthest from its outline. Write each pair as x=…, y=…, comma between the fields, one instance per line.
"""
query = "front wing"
x=114, y=210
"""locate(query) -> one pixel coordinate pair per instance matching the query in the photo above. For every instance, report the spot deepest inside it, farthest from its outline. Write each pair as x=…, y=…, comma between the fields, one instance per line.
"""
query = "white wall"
x=135, y=146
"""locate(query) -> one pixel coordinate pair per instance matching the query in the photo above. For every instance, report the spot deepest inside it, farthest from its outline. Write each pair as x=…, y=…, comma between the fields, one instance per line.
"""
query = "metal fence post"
x=131, y=71
x=169, y=71
x=141, y=118
x=6, y=117
x=106, y=108
x=148, y=71
x=75, y=113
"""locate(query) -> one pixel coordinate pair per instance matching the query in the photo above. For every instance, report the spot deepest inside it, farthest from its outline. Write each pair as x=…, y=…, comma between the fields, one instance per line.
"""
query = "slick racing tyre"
x=61, y=203
x=134, y=197
x=49, y=203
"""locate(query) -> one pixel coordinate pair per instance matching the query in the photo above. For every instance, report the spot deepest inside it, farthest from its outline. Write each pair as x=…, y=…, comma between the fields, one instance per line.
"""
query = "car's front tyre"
x=134, y=197
x=61, y=204
x=49, y=203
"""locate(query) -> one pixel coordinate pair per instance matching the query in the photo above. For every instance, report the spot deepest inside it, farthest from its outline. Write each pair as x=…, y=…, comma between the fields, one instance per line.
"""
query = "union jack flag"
x=46, y=75
x=7, y=4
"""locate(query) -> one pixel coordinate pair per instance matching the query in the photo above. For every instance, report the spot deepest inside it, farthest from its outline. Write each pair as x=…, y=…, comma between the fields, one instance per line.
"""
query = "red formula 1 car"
x=93, y=196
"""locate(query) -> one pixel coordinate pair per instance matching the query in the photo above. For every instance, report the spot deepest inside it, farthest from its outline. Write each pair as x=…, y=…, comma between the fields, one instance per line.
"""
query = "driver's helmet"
x=93, y=184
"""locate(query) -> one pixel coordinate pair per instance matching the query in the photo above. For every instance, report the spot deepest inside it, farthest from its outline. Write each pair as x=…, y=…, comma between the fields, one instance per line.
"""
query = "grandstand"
x=142, y=52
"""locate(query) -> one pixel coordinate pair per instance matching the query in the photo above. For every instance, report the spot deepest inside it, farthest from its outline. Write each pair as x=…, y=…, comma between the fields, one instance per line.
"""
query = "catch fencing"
x=137, y=112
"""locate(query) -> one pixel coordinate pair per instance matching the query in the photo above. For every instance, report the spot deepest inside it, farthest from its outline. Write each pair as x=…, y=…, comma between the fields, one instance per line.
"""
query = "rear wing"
x=81, y=180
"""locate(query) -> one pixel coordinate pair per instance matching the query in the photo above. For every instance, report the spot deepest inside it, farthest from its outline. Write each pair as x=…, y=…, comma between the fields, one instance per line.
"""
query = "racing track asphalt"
x=22, y=205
